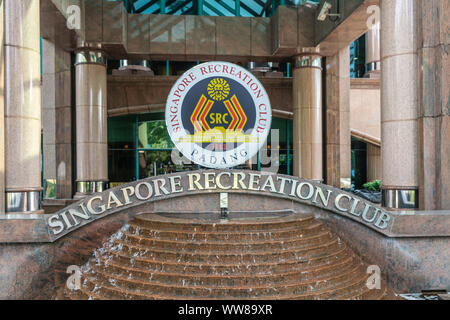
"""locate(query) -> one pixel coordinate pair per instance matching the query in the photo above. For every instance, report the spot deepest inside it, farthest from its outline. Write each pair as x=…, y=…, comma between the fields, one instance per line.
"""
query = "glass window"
x=157, y=162
x=121, y=132
x=153, y=135
x=49, y=189
x=358, y=162
x=121, y=149
x=139, y=147
x=280, y=139
x=121, y=166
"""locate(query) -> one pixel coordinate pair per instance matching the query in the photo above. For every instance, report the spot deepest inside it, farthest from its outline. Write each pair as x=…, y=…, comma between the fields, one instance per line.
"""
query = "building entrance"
x=140, y=147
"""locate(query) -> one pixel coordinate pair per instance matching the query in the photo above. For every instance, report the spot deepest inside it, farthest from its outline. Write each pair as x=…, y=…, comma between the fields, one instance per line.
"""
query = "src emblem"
x=218, y=115
x=203, y=120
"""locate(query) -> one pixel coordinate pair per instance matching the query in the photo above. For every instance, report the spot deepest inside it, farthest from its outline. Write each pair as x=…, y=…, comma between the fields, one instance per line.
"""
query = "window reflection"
x=140, y=147
x=153, y=135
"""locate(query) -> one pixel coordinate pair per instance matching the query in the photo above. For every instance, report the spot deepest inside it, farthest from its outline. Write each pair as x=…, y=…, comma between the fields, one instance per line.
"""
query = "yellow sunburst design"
x=218, y=89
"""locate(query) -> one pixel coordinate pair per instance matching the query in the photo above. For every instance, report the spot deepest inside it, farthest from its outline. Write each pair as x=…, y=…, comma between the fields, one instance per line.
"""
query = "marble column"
x=399, y=104
x=57, y=118
x=2, y=109
x=91, y=121
x=22, y=106
x=48, y=112
x=434, y=105
x=373, y=61
x=307, y=107
x=337, y=99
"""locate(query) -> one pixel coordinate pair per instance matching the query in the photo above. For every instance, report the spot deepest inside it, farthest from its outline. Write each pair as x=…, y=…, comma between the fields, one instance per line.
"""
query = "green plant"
x=373, y=185
x=49, y=188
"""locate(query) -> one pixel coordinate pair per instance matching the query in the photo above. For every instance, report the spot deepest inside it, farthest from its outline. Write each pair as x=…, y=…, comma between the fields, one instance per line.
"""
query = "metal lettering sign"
x=225, y=182
x=218, y=115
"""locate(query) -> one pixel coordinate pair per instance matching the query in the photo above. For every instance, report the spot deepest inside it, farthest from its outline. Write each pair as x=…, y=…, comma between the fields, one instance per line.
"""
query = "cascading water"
x=163, y=256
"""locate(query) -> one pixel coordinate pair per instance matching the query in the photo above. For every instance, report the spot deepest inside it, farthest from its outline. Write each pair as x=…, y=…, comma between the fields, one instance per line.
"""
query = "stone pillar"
x=373, y=60
x=22, y=106
x=57, y=118
x=434, y=108
x=338, y=141
x=307, y=106
x=399, y=105
x=2, y=109
x=91, y=121
x=373, y=162
x=345, y=142
x=48, y=112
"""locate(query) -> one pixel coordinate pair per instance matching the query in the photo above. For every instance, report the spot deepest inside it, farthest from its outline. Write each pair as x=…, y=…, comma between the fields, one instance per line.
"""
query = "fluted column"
x=22, y=106
x=307, y=106
x=399, y=131
x=91, y=122
x=373, y=60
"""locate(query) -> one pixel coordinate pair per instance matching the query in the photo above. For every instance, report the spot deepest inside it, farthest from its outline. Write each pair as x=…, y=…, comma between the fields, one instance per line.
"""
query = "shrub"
x=373, y=185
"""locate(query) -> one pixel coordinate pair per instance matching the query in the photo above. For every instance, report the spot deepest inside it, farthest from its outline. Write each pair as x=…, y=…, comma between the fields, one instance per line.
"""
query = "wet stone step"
x=232, y=228
x=271, y=244
x=362, y=293
x=154, y=221
x=112, y=288
x=326, y=277
x=178, y=245
x=232, y=257
x=220, y=268
x=322, y=274
x=286, y=233
x=286, y=257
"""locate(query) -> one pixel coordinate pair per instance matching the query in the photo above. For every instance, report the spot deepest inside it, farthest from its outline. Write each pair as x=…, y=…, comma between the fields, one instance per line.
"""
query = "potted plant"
x=371, y=191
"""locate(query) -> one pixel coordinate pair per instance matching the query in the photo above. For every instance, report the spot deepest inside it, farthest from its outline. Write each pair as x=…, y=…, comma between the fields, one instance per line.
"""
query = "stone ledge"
x=365, y=83
x=16, y=228
x=365, y=137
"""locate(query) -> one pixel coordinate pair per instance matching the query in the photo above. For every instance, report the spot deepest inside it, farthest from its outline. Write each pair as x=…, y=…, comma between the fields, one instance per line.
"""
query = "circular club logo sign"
x=218, y=115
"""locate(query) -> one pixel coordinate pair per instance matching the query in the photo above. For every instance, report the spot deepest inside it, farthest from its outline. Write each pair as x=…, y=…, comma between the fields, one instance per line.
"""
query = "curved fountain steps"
x=288, y=257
